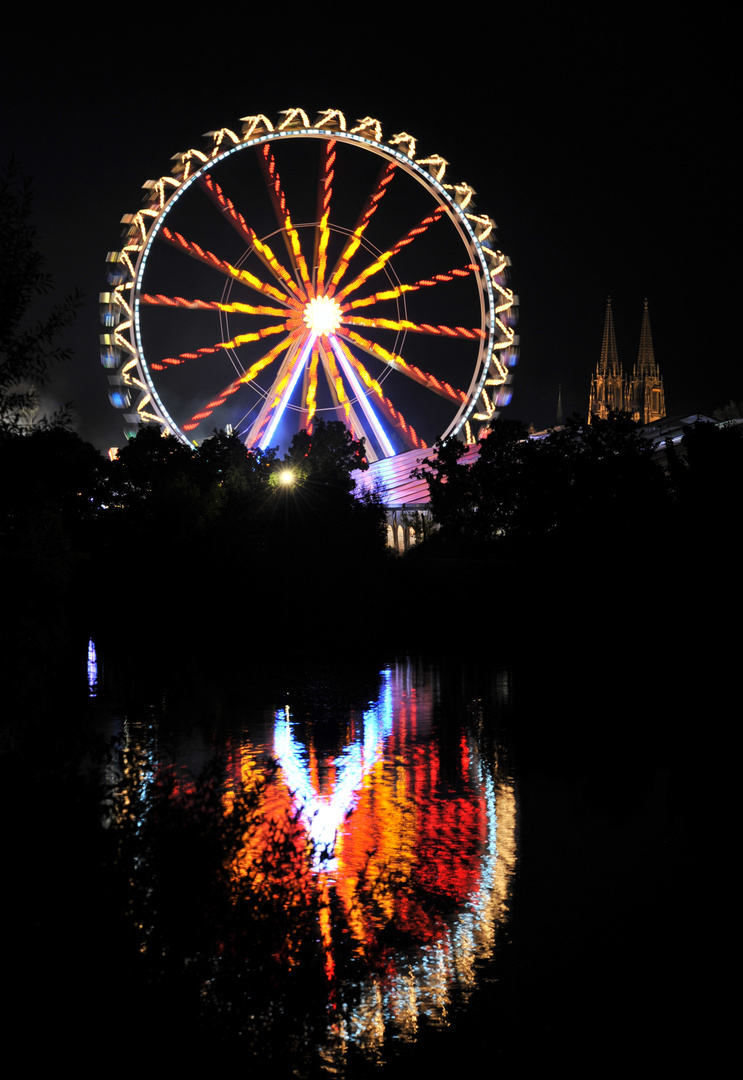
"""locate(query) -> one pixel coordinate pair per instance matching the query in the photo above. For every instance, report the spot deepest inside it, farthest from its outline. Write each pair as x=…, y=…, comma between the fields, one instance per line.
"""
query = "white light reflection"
x=92, y=669
x=361, y=397
x=279, y=411
x=323, y=814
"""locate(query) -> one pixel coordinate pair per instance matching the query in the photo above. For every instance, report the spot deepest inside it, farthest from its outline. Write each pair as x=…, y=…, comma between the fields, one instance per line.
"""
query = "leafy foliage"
x=580, y=482
x=28, y=349
x=221, y=908
x=328, y=455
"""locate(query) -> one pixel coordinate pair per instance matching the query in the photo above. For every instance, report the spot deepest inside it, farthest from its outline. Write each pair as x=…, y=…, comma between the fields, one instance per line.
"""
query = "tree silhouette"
x=28, y=347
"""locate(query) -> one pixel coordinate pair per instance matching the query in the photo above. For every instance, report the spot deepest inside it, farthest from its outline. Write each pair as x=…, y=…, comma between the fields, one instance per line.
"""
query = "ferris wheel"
x=302, y=270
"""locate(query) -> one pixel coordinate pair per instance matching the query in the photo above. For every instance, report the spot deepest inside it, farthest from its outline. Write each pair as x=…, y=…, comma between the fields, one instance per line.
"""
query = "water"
x=373, y=847
x=399, y=866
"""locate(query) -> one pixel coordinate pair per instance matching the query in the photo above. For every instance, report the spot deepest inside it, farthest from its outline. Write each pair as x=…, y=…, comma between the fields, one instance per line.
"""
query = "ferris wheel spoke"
x=234, y=343
x=392, y=414
x=399, y=290
x=159, y=300
x=224, y=267
x=324, y=197
x=277, y=399
x=338, y=391
x=396, y=362
x=283, y=217
x=262, y=250
x=309, y=391
x=356, y=236
x=247, y=377
x=384, y=258
x=417, y=328
x=358, y=414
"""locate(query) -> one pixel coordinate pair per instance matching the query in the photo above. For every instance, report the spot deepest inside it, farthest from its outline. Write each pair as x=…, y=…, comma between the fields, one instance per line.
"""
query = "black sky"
x=601, y=144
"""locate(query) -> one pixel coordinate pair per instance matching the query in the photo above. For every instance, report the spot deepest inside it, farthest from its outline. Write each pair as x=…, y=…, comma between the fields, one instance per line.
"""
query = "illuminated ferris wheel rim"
x=411, y=167
x=496, y=345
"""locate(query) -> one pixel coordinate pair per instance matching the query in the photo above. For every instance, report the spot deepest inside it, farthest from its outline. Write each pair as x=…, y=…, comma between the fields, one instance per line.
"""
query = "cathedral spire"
x=646, y=357
x=609, y=356
x=608, y=387
x=647, y=396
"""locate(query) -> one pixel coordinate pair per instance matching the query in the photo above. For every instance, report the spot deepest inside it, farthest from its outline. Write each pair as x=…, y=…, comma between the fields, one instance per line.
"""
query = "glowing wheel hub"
x=322, y=315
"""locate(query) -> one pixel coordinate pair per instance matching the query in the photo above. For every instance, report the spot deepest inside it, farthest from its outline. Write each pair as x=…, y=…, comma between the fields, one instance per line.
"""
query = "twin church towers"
x=642, y=395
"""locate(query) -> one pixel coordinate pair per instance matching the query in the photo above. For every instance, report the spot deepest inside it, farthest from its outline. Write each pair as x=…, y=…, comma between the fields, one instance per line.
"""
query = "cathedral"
x=642, y=394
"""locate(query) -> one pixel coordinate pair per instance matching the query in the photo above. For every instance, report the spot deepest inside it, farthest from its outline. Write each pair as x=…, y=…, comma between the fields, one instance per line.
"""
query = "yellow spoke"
x=353, y=244
x=250, y=374
x=262, y=250
x=311, y=395
x=397, y=419
x=284, y=217
x=335, y=381
x=419, y=328
x=382, y=261
x=398, y=290
x=324, y=196
x=223, y=267
x=159, y=300
x=395, y=361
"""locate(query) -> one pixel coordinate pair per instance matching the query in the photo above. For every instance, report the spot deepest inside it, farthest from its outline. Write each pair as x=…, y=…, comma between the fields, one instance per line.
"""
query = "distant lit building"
x=642, y=395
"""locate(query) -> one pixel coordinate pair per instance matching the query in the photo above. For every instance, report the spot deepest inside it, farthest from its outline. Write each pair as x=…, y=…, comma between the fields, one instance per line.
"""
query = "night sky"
x=600, y=145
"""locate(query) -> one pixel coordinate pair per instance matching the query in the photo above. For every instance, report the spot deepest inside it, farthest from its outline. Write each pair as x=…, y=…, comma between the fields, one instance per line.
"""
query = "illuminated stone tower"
x=643, y=395
x=647, y=401
x=608, y=386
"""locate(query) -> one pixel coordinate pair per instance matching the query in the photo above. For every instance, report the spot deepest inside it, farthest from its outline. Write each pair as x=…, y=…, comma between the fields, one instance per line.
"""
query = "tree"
x=731, y=411
x=328, y=456
x=583, y=481
x=28, y=349
x=226, y=463
x=481, y=501
x=449, y=486
x=149, y=463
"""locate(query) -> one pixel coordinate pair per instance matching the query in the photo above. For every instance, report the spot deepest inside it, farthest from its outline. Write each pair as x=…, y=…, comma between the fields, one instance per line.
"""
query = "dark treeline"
x=172, y=544
x=582, y=487
x=589, y=523
x=217, y=546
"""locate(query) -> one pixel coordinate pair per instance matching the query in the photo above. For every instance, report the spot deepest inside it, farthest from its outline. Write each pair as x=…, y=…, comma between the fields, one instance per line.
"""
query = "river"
x=345, y=869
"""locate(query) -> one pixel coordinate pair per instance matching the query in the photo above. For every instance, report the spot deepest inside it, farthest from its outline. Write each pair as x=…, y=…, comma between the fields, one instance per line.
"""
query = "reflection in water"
x=396, y=832
x=92, y=669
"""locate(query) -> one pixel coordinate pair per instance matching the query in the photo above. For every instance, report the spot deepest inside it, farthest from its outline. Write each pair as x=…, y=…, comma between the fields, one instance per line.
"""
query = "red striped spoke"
x=222, y=266
x=393, y=415
x=247, y=377
x=368, y=212
x=382, y=261
x=398, y=290
x=395, y=361
x=324, y=197
x=159, y=300
x=262, y=250
x=284, y=218
x=418, y=328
